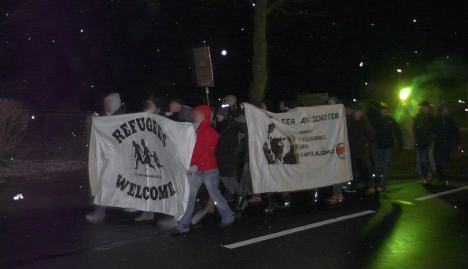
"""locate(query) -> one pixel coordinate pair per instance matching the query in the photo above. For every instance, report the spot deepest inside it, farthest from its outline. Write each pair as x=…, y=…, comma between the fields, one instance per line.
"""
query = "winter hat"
x=335, y=99
x=425, y=103
x=180, y=101
x=359, y=108
x=224, y=111
x=231, y=100
x=115, y=103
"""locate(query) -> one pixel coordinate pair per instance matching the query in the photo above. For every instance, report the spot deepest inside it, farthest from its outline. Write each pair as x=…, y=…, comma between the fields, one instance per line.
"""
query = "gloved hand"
x=192, y=170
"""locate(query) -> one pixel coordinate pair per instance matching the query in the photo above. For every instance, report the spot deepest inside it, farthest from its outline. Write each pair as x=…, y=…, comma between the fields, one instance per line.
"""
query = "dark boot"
x=271, y=207
x=286, y=200
x=239, y=205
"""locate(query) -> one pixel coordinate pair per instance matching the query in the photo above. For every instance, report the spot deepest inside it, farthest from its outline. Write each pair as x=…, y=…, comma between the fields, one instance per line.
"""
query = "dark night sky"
x=58, y=54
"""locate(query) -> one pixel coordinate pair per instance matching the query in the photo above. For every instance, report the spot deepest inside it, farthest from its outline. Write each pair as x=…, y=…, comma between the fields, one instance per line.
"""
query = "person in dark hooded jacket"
x=153, y=105
x=226, y=152
x=360, y=134
x=204, y=170
x=422, y=129
x=178, y=111
x=112, y=107
x=385, y=127
x=446, y=136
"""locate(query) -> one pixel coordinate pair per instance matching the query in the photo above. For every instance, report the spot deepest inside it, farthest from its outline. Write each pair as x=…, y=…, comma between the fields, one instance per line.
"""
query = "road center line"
x=440, y=194
x=298, y=229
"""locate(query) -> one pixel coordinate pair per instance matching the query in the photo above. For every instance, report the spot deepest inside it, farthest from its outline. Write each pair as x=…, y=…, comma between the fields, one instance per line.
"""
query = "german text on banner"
x=301, y=149
x=140, y=161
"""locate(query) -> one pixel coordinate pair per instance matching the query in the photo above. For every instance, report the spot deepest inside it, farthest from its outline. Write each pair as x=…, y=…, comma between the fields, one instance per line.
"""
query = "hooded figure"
x=422, y=129
x=446, y=131
x=230, y=100
x=446, y=136
x=207, y=138
x=204, y=170
x=226, y=149
x=113, y=105
x=360, y=134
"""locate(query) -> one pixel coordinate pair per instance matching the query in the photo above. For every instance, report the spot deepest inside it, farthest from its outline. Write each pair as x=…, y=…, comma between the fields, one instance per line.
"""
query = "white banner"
x=301, y=149
x=140, y=161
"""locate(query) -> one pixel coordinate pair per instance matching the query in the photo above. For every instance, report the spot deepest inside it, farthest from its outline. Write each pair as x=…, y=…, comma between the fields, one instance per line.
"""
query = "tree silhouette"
x=264, y=9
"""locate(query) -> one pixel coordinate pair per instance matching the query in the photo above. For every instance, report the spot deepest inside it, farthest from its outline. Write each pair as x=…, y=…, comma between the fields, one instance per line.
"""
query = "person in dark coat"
x=446, y=136
x=422, y=130
x=178, y=111
x=372, y=113
x=349, y=108
x=360, y=134
x=385, y=127
x=226, y=152
x=154, y=105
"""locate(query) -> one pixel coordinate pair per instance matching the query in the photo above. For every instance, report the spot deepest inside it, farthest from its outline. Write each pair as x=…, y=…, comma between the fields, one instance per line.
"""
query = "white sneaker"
x=95, y=218
x=145, y=216
x=209, y=208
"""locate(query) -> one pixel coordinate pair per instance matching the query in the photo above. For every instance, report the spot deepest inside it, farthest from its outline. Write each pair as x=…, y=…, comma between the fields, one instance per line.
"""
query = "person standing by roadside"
x=372, y=113
x=422, y=130
x=204, y=170
x=112, y=107
x=360, y=134
x=338, y=188
x=385, y=126
x=446, y=133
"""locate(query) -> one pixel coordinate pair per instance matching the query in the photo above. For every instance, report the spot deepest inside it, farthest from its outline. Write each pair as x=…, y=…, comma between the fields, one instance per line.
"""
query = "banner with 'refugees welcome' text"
x=301, y=149
x=139, y=161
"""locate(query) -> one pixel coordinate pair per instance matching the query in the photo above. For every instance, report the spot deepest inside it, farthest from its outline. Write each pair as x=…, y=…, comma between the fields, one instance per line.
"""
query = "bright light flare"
x=405, y=93
x=223, y=52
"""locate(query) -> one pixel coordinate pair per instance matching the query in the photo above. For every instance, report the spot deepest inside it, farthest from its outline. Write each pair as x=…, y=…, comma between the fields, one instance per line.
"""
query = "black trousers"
x=442, y=160
x=362, y=170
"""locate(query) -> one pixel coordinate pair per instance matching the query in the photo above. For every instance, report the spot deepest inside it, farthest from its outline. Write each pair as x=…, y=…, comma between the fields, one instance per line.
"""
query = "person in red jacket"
x=204, y=170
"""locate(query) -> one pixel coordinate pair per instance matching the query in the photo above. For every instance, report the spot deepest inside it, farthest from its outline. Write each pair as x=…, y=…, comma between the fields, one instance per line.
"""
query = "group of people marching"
x=221, y=151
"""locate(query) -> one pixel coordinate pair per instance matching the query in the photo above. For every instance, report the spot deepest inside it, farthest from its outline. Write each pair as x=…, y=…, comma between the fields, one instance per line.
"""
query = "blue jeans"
x=423, y=155
x=211, y=180
x=100, y=210
x=384, y=160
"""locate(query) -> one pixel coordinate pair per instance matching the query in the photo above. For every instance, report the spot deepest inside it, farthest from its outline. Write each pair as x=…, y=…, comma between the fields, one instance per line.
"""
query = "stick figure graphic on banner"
x=138, y=153
x=143, y=155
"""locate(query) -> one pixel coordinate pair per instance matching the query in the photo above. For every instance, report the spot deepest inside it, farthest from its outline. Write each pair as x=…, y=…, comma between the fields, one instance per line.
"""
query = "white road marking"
x=440, y=194
x=298, y=229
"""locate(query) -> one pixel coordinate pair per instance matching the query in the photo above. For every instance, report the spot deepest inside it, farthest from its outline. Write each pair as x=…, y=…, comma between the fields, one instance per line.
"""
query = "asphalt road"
x=390, y=230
